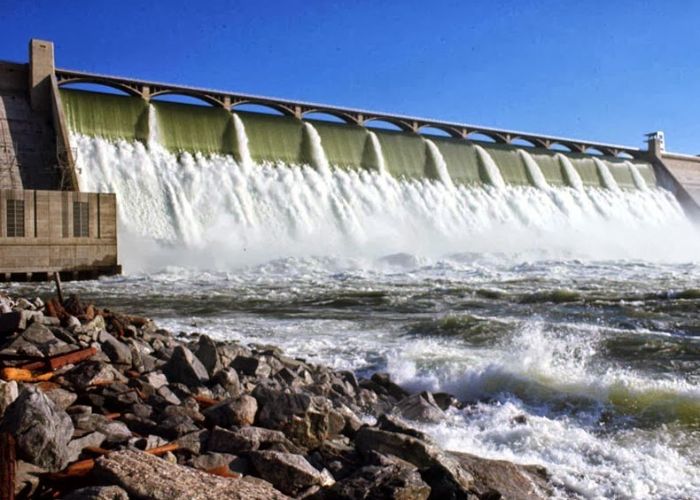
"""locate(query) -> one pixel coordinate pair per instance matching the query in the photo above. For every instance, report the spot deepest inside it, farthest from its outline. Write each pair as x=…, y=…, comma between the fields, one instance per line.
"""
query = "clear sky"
x=598, y=70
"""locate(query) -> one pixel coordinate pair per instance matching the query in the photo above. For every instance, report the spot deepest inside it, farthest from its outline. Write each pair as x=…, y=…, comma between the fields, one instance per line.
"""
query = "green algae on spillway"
x=191, y=128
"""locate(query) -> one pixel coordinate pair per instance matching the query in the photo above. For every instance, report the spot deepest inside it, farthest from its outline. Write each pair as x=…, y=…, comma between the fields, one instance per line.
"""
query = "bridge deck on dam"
x=148, y=90
x=206, y=129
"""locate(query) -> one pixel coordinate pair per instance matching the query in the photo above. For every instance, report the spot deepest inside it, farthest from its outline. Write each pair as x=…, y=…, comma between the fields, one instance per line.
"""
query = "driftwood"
x=206, y=402
x=23, y=375
x=59, y=360
x=7, y=466
x=59, y=289
x=54, y=308
x=223, y=471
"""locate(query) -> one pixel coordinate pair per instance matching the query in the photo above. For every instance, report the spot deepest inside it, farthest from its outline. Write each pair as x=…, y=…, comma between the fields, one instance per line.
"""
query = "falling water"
x=606, y=176
x=153, y=128
x=242, y=141
x=440, y=165
x=318, y=155
x=636, y=176
x=533, y=170
x=378, y=155
x=493, y=173
x=573, y=178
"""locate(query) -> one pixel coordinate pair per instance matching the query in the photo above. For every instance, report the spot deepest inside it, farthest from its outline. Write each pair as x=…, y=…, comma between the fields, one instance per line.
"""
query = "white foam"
x=212, y=212
x=573, y=178
x=540, y=375
x=534, y=171
x=606, y=176
x=440, y=164
x=492, y=171
x=318, y=155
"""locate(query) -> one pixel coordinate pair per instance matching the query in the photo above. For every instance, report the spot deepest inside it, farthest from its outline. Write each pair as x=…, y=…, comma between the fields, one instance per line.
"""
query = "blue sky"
x=598, y=70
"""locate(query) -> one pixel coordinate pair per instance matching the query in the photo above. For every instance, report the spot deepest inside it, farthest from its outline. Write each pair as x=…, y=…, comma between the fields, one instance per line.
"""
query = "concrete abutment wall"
x=39, y=199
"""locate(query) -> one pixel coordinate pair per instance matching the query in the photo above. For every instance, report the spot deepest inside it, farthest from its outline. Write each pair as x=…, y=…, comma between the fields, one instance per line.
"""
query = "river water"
x=567, y=318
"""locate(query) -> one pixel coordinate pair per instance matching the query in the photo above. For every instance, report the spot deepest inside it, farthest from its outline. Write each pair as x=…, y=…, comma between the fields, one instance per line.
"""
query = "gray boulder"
x=420, y=407
x=291, y=474
x=76, y=446
x=36, y=341
x=444, y=474
x=206, y=351
x=90, y=329
x=61, y=397
x=185, y=368
x=395, y=481
x=147, y=477
x=253, y=366
x=229, y=380
x=157, y=380
x=118, y=352
x=382, y=384
x=307, y=420
x=92, y=373
x=232, y=412
x=248, y=439
x=211, y=461
x=502, y=479
x=113, y=431
x=194, y=442
x=42, y=430
x=98, y=493
x=8, y=393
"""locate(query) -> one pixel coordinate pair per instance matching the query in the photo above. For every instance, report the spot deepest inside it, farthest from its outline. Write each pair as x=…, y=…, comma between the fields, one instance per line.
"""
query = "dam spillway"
x=199, y=179
x=272, y=139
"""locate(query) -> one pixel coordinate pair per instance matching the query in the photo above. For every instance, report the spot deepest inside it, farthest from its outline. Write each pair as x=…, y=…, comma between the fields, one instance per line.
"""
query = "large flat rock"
x=146, y=477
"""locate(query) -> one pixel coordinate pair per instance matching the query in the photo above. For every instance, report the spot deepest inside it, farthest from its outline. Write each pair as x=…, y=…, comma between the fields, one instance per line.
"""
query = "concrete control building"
x=46, y=224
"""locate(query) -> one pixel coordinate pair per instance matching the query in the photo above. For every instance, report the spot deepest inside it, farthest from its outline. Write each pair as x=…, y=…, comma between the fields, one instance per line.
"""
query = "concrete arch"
x=195, y=95
x=594, y=151
x=402, y=125
x=523, y=142
x=450, y=131
x=276, y=107
x=344, y=117
x=560, y=146
x=104, y=83
x=478, y=135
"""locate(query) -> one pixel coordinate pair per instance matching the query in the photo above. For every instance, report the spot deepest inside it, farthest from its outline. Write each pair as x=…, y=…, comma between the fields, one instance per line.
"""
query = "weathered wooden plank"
x=7, y=466
x=59, y=360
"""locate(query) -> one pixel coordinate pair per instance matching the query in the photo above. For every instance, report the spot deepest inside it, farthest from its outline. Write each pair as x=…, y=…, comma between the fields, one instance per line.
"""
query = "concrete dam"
x=282, y=139
x=236, y=185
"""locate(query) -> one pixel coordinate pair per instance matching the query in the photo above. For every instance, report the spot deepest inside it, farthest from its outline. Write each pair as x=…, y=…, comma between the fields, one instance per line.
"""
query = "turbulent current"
x=565, y=316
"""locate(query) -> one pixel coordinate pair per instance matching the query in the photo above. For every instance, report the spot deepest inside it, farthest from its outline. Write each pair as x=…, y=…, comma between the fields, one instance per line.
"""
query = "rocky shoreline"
x=102, y=405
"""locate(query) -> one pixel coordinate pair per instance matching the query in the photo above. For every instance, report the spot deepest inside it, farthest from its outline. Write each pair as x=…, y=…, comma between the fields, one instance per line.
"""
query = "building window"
x=80, y=219
x=15, y=218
